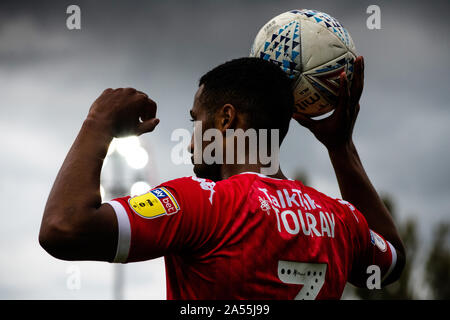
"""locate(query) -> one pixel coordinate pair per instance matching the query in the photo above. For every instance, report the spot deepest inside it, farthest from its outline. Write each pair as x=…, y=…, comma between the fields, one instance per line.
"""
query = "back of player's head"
x=257, y=88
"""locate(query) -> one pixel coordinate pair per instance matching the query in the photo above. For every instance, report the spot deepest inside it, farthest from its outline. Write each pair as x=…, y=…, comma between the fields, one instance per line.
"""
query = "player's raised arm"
x=335, y=132
x=75, y=225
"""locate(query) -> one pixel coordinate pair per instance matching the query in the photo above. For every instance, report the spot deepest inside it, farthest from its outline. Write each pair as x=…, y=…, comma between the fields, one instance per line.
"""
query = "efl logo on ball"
x=313, y=48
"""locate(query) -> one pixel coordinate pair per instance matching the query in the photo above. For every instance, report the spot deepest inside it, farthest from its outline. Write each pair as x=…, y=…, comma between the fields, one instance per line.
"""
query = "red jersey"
x=249, y=237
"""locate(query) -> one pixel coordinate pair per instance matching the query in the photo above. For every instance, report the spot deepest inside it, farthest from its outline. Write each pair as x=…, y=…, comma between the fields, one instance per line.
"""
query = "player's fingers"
x=358, y=80
x=108, y=90
x=147, y=108
x=357, y=86
x=147, y=126
x=142, y=93
x=343, y=98
x=303, y=120
x=129, y=90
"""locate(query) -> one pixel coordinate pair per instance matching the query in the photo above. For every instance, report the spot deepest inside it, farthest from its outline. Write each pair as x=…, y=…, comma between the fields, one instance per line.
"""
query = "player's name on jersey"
x=288, y=205
x=288, y=198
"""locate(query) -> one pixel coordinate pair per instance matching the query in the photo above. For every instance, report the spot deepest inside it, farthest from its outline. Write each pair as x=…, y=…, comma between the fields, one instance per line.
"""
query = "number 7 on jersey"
x=310, y=275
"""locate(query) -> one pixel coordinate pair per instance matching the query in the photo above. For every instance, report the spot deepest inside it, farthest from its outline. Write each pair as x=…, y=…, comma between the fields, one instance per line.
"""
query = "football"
x=313, y=48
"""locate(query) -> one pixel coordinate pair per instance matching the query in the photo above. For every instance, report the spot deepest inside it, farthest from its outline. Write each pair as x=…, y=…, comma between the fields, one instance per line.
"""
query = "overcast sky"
x=49, y=76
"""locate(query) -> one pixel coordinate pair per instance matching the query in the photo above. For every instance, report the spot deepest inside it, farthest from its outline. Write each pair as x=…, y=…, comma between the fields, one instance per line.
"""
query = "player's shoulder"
x=339, y=206
x=191, y=187
x=239, y=182
x=195, y=188
x=187, y=182
x=324, y=198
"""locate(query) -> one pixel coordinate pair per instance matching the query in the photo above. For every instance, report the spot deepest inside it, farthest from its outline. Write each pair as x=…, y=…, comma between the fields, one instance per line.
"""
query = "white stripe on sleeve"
x=394, y=261
x=124, y=232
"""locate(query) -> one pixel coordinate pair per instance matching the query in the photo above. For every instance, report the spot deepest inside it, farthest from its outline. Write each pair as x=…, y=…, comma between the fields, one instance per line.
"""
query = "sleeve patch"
x=155, y=203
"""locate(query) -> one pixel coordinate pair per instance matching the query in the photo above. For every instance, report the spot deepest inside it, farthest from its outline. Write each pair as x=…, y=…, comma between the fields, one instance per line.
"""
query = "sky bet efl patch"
x=155, y=203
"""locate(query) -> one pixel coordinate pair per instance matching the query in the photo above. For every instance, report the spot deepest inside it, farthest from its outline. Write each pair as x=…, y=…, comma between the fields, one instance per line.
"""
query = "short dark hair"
x=255, y=87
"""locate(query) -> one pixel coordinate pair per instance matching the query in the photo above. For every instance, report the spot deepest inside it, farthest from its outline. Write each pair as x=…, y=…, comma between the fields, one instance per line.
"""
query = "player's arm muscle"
x=75, y=226
x=335, y=132
x=355, y=187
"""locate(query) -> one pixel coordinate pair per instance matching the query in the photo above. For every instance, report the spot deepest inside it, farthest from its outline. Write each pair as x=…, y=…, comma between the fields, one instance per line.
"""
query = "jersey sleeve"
x=370, y=249
x=173, y=217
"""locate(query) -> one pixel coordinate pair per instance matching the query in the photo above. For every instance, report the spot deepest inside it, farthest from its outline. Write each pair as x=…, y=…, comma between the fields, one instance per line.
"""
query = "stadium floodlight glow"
x=102, y=192
x=112, y=147
x=137, y=158
x=139, y=188
x=127, y=145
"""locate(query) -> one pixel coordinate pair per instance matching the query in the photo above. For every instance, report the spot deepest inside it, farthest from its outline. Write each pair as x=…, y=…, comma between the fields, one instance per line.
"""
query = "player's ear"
x=226, y=117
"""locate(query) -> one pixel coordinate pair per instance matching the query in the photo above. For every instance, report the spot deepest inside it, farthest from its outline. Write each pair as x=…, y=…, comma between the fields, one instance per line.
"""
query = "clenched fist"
x=124, y=112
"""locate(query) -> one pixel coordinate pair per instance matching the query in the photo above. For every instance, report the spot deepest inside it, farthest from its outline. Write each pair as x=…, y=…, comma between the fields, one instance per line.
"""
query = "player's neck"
x=234, y=169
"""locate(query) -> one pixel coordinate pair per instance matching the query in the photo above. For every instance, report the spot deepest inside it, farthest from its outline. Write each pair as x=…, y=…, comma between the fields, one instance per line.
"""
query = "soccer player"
x=229, y=232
